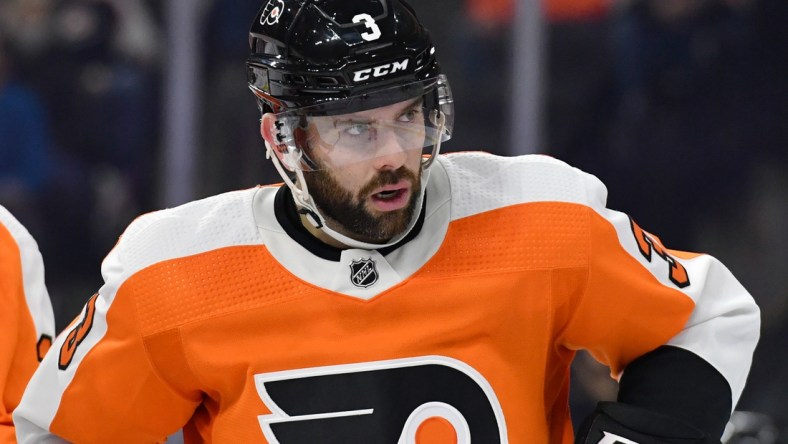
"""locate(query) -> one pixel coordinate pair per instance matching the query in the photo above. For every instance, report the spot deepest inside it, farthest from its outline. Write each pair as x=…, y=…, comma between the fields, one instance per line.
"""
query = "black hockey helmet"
x=332, y=56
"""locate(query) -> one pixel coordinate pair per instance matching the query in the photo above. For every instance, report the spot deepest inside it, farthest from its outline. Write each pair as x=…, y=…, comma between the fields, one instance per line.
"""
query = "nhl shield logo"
x=363, y=273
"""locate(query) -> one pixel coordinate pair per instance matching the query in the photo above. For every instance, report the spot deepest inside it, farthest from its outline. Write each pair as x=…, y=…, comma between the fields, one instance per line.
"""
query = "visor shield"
x=396, y=121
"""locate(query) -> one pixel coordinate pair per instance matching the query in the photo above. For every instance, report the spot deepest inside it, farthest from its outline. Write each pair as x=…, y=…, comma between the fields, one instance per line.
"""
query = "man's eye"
x=357, y=129
x=410, y=115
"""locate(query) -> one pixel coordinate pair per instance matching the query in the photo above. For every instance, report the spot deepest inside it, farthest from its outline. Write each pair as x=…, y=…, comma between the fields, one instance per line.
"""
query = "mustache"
x=387, y=177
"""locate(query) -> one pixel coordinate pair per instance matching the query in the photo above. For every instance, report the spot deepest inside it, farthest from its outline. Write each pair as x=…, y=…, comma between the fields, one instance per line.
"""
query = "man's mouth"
x=391, y=197
x=388, y=195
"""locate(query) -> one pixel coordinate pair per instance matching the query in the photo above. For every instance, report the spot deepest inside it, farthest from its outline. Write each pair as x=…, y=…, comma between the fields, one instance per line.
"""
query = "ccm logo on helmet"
x=380, y=71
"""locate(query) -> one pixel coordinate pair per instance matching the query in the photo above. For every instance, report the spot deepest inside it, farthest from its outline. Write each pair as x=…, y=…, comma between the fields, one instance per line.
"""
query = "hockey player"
x=25, y=315
x=385, y=293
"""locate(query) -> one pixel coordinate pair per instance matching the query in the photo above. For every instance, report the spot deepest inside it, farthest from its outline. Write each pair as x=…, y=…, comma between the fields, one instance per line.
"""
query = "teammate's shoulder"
x=8, y=220
x=223, y=220
x=509, y=180
x=16, y=230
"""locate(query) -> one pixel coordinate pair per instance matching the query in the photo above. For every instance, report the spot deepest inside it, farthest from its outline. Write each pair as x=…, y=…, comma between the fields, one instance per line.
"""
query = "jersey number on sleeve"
x=77, y=334
x=42, y=346
x=647, y=243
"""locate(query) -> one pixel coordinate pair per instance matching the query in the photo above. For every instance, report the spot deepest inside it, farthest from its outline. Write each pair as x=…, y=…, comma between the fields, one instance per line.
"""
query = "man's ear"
x=269, y=132
x=268, y=129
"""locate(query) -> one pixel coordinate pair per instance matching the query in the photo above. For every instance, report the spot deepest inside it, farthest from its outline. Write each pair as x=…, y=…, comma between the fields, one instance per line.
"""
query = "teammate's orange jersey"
x=224, y=317
x=26, y=316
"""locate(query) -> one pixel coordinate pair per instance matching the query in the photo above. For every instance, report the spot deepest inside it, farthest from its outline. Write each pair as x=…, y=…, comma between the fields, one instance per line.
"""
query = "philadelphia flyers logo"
x=425, y=400
x=647, y=243
x=272, y=12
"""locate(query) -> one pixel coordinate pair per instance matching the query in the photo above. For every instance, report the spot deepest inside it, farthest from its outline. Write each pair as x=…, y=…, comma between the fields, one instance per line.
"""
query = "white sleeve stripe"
x=36, y=295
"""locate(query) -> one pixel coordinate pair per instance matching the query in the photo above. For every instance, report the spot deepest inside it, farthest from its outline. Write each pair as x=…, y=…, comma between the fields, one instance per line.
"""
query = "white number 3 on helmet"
x=369, y=22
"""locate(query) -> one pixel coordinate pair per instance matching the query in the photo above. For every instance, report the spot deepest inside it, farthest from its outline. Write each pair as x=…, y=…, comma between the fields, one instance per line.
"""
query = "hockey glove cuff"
x=618, y=423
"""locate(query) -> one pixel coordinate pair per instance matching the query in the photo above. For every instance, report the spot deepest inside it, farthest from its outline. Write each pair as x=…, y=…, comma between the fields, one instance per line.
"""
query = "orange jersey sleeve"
x=26, y=316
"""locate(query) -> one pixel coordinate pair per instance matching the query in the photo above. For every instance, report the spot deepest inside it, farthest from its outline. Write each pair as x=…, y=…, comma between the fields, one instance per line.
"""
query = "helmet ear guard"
x=275, y=143
x=290, y=135
x=283, y=133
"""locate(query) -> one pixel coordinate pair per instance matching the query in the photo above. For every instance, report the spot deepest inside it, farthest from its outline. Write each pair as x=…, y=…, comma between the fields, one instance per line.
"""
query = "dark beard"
x=350, y=213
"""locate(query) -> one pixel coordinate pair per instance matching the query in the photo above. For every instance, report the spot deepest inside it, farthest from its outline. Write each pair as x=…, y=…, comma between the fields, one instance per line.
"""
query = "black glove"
x=618, y=423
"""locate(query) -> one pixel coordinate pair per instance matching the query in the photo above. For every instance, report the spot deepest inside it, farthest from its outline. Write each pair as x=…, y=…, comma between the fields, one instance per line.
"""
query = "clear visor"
x=368, y=127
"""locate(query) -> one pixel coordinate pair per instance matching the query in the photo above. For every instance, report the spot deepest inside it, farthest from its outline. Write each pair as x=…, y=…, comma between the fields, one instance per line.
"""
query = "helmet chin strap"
x=306, y=205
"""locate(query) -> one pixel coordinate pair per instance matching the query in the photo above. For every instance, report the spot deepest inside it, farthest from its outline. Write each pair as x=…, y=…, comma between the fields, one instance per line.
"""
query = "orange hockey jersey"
x=224, y=318
x=26, y=316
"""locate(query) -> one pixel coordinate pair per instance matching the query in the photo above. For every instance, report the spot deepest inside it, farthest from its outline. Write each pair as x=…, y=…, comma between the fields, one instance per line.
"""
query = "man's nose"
x=390, y=151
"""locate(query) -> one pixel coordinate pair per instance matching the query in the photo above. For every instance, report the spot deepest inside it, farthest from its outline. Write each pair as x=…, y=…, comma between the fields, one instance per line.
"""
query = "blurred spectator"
x=752, y=428
x=576, y=10
x=102, y=93
x=479, y=40
x=232, y=156
x=684, y=105
x=116, y=92
x=578, y=81
x=490, y=14
x=27, y=23
x=25, y=146
x=137, y=37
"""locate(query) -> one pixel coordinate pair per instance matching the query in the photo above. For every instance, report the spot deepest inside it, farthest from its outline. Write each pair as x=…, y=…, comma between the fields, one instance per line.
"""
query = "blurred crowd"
x=79, y=99
x=679, y=106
